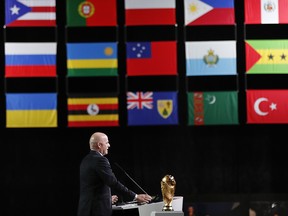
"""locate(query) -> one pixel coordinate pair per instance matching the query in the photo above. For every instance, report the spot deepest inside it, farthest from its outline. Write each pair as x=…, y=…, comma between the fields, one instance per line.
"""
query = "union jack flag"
x=139, y=100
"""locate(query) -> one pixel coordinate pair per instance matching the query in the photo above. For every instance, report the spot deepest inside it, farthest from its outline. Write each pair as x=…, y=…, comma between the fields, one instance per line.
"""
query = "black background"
x=40, y=167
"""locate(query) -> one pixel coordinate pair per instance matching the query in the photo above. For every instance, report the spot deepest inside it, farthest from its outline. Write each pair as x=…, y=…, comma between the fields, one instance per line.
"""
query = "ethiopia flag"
x=92, y=59
x=267, y=56
x=93, y=111
x=213, y=108
x=266, y=11
x=27, y=110
x=91, y=13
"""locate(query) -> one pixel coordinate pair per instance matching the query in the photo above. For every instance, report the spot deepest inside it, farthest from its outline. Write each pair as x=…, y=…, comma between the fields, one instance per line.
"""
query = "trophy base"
x=167, y=208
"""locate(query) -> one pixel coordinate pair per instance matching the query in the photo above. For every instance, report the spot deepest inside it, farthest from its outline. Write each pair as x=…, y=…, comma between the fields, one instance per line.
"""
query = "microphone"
x=130, y=178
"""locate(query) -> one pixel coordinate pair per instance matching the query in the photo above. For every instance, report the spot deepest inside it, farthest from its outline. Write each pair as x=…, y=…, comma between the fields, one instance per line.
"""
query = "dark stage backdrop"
x=40, y=167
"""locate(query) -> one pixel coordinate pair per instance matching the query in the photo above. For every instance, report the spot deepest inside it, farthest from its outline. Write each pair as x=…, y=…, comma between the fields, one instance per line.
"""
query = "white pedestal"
x=167, y=213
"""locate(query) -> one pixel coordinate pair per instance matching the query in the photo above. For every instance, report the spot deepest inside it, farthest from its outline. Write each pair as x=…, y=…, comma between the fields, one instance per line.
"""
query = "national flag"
x=150, y=12
x=210, y=58
x=152, y=108
x=31, y=110
x=91, y=13
x=30, y=59
x=267, y=106
x=209, y=12
x=266, y=11
x=92, y=59
x=213, y=108
x=151, y=58
x=267, y=56
x=30, y=13
x=93, y=111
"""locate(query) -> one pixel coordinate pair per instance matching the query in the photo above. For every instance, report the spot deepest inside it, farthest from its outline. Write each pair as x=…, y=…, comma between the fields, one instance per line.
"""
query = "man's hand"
x=143, y=198
x=114, y=199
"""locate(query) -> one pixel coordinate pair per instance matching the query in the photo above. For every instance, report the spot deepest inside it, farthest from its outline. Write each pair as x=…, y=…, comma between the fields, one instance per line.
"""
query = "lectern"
x=146, y=209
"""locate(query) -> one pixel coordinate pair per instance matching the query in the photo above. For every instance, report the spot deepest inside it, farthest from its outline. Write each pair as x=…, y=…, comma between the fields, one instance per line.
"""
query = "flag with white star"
x=30, y=13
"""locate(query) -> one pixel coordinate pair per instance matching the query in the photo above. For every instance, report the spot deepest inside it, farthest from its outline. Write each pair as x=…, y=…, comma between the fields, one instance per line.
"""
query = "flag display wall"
x=113, y=47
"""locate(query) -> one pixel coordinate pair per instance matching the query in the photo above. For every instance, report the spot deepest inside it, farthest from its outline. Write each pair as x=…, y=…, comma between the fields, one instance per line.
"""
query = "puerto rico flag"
x=30, y=13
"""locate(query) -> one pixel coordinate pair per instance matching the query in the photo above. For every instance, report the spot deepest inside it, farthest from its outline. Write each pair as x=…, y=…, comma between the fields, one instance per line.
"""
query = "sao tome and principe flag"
x=267, y=106
x=92, y=59
x=91, y=12
x=266, y=56
x=210, y=58
x=151, y=58
x=152, y=108
x=30, y=13
x=213, y=108
x=209, y=12
x=266, y=11
x=150, y=12
x=93, y=110
x=31, y=110
x=30, y=59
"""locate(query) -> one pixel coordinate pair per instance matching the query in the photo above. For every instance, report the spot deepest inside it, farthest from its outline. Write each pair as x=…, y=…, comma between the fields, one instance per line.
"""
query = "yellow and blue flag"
x=31, y=110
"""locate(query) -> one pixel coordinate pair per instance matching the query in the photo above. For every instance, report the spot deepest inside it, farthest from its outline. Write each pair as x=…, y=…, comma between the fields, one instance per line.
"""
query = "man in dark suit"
x=97, y=179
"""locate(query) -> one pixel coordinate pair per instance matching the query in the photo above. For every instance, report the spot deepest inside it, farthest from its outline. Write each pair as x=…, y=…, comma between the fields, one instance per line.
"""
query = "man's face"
x=104, y=145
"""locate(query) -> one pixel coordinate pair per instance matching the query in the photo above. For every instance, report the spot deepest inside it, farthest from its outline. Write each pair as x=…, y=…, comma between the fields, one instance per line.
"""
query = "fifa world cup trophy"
x=168, y=184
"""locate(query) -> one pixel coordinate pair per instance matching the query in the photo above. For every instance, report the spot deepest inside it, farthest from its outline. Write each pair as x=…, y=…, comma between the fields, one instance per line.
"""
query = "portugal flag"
x=91, y=13
x=266, y=11
x=267, y=56
x=92, y=111
x=267, y=106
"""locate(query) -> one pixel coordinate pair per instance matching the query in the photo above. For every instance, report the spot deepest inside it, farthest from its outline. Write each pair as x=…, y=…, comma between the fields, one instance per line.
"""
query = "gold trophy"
x=168, y=184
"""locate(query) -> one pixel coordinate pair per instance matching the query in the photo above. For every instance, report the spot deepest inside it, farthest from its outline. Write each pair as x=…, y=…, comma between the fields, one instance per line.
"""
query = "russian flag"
x=30, y=13
x=30, y=59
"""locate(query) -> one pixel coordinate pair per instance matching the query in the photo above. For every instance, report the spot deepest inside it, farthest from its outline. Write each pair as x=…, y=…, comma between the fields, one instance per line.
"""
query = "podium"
x=146, y=209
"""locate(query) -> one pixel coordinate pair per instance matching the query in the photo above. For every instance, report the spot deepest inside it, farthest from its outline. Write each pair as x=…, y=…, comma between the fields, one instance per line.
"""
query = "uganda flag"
x=93, y=111
x=91, y=13
x=267, y=56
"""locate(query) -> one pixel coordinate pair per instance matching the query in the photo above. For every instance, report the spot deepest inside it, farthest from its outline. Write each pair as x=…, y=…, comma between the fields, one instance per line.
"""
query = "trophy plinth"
x=168, y=184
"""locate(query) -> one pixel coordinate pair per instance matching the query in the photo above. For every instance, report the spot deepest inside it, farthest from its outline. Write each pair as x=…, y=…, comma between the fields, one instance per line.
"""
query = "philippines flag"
x=30, y=12
x=209, y=12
